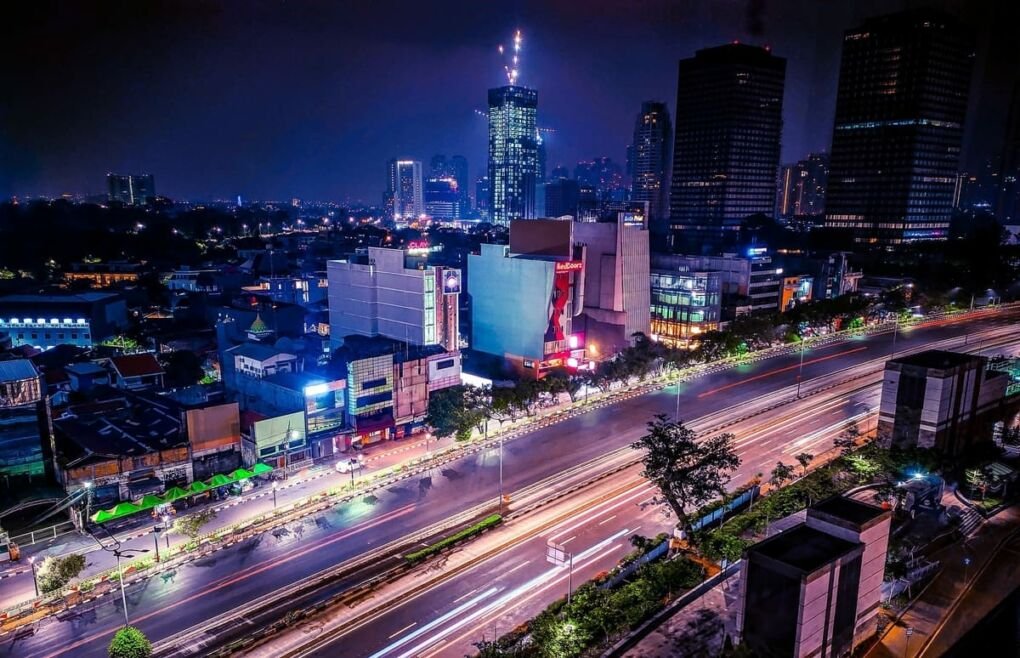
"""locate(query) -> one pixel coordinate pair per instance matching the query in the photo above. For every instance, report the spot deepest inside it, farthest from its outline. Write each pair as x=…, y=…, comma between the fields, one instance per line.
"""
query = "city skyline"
x=205, y=132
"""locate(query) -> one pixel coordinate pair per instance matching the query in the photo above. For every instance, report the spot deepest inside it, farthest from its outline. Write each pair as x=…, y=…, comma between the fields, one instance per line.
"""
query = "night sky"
x=273, y=100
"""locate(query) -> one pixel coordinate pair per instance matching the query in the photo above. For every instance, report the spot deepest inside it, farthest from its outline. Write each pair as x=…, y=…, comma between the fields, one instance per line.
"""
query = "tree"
x=183, y=368
x=455, y=411
x=687, y=472
x=847, y=439
x=191, y=526
x=55, y=572
x=977, y=480
x=780, y=474
x=804, y=459
x=129, y=642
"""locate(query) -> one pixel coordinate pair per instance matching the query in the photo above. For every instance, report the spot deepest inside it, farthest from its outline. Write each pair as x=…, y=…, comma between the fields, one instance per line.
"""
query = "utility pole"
x=800, y=370
x=500, y=508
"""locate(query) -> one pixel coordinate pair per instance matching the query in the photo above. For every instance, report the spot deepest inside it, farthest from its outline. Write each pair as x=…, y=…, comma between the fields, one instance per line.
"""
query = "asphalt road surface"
x=164, y=605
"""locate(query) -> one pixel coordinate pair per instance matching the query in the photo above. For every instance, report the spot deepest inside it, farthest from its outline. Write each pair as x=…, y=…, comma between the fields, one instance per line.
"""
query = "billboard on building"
x=541, y=237
x=451, y=282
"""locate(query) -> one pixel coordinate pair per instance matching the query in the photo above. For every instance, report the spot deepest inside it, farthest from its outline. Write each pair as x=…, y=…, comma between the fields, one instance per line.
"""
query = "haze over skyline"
x=272, y=100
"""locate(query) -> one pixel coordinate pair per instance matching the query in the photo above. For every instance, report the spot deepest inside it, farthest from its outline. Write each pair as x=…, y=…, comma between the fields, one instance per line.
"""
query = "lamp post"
x=274, y=494
x=35, y=581
x=120, y=573
x=155, y=540
x=88, y=502
x=500, y=508
x=166, y=530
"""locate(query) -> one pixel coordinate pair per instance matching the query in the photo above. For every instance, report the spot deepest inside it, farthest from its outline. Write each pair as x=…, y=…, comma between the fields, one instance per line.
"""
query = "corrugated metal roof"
x=16, y=370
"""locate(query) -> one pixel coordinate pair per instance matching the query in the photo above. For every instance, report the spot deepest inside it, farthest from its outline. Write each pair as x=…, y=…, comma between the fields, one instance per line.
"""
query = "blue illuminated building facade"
x=513, y=153
x=22, y=408
x=45, y=321
x=900, y=111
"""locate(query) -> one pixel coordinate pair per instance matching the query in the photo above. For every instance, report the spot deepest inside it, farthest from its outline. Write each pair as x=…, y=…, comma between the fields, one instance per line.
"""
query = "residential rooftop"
x=937, y=359
x=804, y=549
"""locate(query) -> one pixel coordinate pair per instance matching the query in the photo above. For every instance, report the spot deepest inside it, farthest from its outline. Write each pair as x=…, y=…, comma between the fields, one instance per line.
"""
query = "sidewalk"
x=17, y=586
x=963, y=563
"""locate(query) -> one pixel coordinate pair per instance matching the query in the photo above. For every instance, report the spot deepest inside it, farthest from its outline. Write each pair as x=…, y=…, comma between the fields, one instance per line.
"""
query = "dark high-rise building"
x=648, y=162
x=404, y=198
x=729, y=118
x=900, y=109
x=482, y=197
x=1008, y=204
x=442, y=198
x=604, y=176
x=455, y=168
x=802, y=188
x=559, y=172
x=513, y=153
x=131, y=189
x=561, y=197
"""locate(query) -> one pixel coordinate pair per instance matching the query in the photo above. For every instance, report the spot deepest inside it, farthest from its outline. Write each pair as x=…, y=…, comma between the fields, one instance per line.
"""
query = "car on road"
x=349, y=465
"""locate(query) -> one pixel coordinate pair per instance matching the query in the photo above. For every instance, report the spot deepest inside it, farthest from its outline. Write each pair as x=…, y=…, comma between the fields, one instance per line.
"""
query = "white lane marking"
x=607, y=520
x=409, y=626
x=436, y=622
x=641, y=490
x=461, y=598
x=519, y=566
x=567, y=541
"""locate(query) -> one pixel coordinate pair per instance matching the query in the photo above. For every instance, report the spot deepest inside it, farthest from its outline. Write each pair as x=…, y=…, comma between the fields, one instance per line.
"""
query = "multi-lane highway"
x=202, y=590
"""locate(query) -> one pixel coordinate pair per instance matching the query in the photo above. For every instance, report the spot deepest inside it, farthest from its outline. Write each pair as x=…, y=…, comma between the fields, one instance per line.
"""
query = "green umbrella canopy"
x=240, y=474
x=260, y=469
x=198, y=486
x=219, y=480
x=102, y=516
x=173, y=493
x=149, y=501
x=125, y=508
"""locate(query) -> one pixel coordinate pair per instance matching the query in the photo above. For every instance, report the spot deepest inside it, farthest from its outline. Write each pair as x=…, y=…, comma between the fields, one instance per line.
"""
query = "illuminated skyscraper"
x=513, y=153
x=649, y=161
x=404, y=190
x=729, y=117
x=802, y=188
x=131, y=189
x=900, y=108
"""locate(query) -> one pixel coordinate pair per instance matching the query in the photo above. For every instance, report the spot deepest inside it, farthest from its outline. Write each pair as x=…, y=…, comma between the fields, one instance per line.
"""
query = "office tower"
x=394, y=293
x=946, y=401
x=404, y=190
x=815, y=589
x=1007, y=209
x=513, y=153
x=482, y=197
x=604, y=176
x=648, y=162
x=455, y=168
x=131, y=189
x=442, y=198
x=729, y=117
x=802, y=189
x=559, y=172
x=900, y=109
x=561, y=197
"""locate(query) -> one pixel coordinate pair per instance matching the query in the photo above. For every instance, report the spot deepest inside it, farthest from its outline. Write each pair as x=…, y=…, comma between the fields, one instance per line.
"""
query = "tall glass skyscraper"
x=513, y=153
x=131, y=189
x=649, y=162
x=900, y=108
x=405, y=198
x=729, y=117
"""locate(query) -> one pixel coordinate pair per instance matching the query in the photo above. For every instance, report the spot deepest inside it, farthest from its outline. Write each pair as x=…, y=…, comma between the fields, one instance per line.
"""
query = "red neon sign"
x=570, y=266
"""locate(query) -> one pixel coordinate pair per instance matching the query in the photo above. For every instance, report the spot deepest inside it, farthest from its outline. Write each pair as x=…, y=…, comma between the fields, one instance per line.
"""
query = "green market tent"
x=174, y=493
x=102, y=516
x=219, y=480
x=123, y=509
x=260, y=469
x=198, y=487
x=149, y=501
x=240, y=474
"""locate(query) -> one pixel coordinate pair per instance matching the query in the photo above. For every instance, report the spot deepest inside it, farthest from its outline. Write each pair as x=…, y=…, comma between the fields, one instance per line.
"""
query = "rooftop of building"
x=124, y=425
x=357, y=347
x=937, y=359
x=295, y=381
x=803, y=548
x=59, y=298
x=137, y=365
x=854, y=511
x=16, y=370
x=85, y=368
x=257, y=351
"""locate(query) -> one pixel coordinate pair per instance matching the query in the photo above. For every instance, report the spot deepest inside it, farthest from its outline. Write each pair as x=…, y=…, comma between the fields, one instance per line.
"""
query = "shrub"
x=484, y=524
x=129, y=642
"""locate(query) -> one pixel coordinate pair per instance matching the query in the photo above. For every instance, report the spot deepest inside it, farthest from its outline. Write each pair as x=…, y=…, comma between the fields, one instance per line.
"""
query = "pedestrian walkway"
x=921, y=629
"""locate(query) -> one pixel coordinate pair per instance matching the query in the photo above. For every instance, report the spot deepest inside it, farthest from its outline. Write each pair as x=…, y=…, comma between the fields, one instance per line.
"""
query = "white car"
x=349, y=465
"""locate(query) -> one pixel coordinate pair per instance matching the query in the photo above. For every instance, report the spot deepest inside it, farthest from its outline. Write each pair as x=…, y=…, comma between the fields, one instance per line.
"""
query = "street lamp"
x=500, y=508
x=120, y=576
x=35, y=581
x=274, y=494
x=166, y=530
x=800, y=370
x=155, y=539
